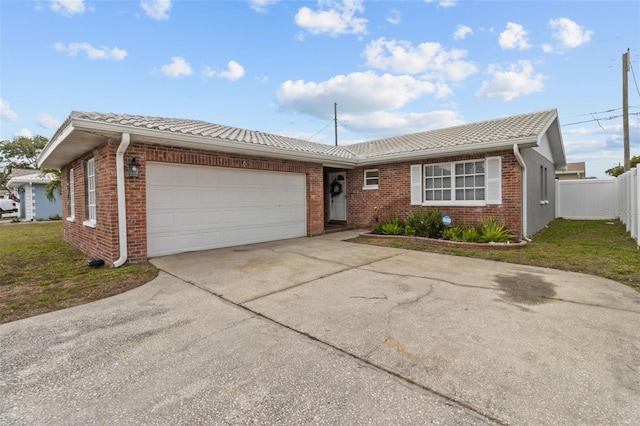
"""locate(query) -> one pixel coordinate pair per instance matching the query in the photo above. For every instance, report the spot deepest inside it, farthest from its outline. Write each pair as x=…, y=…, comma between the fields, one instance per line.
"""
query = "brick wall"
x=366, y=208
x=102, y=241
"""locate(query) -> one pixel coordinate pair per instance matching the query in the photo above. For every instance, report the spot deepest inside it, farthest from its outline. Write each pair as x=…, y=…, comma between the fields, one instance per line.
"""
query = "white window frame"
x=72, y=198
x=492, y=183
x=91, y=193
x=367, y=184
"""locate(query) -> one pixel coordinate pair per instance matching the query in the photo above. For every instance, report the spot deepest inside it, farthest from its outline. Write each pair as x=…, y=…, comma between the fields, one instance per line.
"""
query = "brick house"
x=136, y=187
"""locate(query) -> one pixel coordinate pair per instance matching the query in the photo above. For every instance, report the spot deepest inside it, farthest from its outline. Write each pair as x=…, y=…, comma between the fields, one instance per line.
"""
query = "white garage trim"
x=193, y=208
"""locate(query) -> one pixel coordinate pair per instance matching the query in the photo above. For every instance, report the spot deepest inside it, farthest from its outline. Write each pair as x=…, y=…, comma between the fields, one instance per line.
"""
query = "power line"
x=634, y=78
x=613, y=117
x=309, y=138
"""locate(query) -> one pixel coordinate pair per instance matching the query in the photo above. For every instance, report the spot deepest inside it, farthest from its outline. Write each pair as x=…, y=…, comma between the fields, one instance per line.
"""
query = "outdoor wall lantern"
x=134, y=168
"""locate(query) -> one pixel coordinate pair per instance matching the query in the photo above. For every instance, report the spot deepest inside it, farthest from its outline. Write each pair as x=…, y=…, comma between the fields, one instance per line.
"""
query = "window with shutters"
x=470, y=183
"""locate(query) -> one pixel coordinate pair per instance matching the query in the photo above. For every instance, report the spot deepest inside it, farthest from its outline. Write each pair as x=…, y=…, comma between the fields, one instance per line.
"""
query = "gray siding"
x=541, y=190
x=45, y=208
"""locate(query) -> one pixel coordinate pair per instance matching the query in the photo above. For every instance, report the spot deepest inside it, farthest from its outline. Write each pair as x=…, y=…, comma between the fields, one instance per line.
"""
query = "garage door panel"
x=197, y=208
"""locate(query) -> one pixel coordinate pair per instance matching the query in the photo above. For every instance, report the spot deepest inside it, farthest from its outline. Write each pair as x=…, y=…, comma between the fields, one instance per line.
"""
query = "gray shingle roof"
x=455, y=139
x=502, y=129
x=213, y=131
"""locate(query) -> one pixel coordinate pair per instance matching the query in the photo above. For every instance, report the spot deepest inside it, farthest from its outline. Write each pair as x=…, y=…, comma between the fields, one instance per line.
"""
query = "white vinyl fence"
x=616, y=198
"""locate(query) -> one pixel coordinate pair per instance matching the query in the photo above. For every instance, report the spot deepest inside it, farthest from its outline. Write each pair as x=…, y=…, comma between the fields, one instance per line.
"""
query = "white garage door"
x=197, y=208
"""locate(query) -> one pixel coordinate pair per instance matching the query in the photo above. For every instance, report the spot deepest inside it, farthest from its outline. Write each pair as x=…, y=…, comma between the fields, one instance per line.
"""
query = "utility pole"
x=625, y=110
x=335, y=120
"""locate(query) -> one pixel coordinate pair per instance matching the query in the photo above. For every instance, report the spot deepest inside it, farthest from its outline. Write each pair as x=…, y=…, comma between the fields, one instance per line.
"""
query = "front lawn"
x=40, y=273
x=595, y=247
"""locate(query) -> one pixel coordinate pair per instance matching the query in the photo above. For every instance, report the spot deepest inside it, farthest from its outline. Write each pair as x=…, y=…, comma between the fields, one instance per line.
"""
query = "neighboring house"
x=203, y=185
x=573, y=171
x=33, y=199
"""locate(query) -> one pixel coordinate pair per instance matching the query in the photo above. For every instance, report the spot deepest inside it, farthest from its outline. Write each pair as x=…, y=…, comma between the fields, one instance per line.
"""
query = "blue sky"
x=393, y=67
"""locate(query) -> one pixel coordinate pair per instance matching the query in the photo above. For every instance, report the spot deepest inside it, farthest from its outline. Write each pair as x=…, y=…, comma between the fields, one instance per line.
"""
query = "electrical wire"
x=613, y=117
x=633, y=74
x=321, y=130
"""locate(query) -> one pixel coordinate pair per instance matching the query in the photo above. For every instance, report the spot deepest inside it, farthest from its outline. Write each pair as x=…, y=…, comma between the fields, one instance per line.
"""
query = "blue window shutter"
x=416, y=184
x=494, y=180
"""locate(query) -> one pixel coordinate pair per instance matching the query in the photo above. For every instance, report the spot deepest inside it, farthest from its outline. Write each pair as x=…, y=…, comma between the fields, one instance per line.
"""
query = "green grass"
x=593, y=247
x=41, y=273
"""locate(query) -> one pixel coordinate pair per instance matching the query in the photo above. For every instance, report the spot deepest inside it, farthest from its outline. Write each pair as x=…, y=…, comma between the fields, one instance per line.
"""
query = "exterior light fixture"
x=134, y=168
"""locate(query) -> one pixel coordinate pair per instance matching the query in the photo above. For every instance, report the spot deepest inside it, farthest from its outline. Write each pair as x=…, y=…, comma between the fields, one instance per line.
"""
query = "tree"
x=21, y=153
x=618, y=170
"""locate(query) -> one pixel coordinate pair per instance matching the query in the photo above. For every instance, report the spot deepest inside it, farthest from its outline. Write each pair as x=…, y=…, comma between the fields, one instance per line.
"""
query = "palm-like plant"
x=54, y=186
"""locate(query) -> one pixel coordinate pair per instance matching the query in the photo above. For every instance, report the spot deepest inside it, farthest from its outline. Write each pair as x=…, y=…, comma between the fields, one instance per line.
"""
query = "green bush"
x=426, y=223
x=471, y=235
x=453, y=233
x=392, y=229
x=495, y=232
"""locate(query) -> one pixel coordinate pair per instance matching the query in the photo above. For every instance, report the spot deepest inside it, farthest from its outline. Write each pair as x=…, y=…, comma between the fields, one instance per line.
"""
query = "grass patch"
x=594, y=247
x=41, y=273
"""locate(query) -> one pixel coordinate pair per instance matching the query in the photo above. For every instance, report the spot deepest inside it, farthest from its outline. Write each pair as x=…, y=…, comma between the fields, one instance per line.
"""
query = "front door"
x=338, y=196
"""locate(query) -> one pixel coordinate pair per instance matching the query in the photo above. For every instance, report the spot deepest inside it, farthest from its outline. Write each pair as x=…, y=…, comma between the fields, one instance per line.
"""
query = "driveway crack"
x=362, y=360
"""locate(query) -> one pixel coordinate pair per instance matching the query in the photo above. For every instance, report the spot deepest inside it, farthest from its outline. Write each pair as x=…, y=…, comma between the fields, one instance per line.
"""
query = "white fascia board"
x=210, y=144
x=445, y=152
x=52, y=145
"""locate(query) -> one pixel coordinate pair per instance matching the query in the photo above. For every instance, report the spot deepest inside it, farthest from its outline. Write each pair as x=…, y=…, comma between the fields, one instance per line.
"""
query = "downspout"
x=516, y=152
x=122, y=207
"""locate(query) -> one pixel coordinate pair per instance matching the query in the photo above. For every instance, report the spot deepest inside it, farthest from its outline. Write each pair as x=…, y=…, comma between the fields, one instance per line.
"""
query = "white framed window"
x=72, y=198
x=466, y=183
x=371, y=178
x=91, y=193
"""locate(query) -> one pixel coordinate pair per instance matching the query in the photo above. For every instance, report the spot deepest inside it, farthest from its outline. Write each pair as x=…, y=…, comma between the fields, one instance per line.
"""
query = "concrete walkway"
x=323, y=331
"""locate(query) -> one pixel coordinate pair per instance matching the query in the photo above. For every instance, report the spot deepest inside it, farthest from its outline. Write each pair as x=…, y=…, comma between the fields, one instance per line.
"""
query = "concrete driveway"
x=323, y=331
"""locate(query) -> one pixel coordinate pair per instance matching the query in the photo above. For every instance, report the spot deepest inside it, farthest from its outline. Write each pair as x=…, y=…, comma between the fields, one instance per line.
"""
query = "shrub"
x=471, y=235
x=495, y=232
x=426, y=223
x=392, y=229
x=392, y=226
x=453, y=233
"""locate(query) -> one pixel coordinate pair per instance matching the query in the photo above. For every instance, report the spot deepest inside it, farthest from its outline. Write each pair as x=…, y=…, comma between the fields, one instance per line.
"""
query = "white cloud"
x=67, y=7
x=444, y=3
x=429, y=59
x=23, y=133
x=333, y=18
x=547, y=48
x=261, y=6
x=394, y=17
x=92, y=53
x=518, y=80
x=234, y=71
x=462, y=32
x=48, y=121
x=514, y=37
x=6, y=112
x=388, y=123
x=177, y=68
x=156, y=9
x=569, y=33
x=356, y=93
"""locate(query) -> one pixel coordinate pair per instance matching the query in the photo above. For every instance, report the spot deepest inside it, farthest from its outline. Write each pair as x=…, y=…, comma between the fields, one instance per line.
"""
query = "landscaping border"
x=461, y=244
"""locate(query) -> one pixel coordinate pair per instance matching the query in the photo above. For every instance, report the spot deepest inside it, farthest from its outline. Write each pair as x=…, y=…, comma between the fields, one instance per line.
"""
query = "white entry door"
x=338, y=196
x=193, y=208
